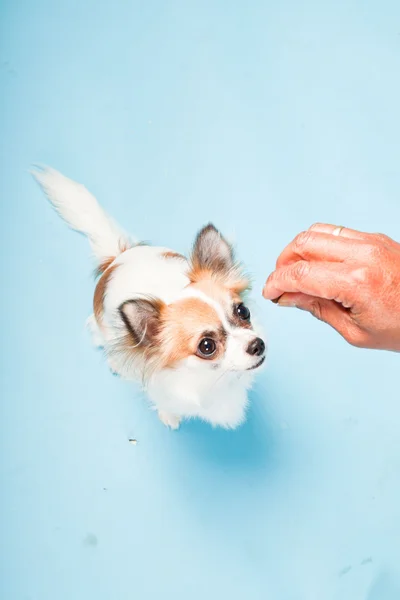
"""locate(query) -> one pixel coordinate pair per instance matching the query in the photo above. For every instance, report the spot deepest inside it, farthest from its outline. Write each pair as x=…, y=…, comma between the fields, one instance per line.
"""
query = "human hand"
x=348, y=279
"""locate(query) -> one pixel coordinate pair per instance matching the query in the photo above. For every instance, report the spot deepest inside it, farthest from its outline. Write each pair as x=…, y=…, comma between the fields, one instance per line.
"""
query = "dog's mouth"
x=260, y=362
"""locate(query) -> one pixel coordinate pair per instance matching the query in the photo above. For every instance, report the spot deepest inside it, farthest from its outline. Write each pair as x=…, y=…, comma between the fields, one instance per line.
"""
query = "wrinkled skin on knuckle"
x=272, y=278
x=361, y=277
x=301, y=240
x=299, y=271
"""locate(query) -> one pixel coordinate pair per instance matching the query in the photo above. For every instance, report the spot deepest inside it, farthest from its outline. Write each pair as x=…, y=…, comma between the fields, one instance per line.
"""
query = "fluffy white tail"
x=80, y=209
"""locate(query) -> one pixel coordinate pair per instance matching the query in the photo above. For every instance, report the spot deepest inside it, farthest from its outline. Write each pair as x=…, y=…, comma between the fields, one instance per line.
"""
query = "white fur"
x=80, y=209
x=214, y=392
x=143, y=271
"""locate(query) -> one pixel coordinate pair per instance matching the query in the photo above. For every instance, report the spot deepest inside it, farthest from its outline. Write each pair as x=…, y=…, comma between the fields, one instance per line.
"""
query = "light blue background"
x=263, y=117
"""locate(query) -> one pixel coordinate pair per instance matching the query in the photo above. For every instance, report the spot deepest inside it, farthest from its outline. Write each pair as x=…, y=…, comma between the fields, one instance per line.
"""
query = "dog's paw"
x=171, y=421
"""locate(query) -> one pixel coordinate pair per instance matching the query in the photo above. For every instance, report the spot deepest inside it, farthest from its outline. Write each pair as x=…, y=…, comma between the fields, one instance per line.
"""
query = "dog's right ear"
x=142, y=319
x=211, y=251
x=212, y=255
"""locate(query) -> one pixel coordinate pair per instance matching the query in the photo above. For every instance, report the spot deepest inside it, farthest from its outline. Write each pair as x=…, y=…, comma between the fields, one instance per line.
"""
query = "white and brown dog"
x=179, y=325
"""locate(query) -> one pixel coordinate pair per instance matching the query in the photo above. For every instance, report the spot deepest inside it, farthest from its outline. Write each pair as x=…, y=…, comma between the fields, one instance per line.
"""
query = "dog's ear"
x=142, y=319
x=211, y=251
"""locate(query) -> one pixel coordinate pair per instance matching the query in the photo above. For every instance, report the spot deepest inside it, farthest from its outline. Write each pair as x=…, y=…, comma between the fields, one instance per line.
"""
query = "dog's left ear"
x=211, y=251
x=142, y=319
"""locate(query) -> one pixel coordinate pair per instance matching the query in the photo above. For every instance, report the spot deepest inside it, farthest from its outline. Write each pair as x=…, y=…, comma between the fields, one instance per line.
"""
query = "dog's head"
x=209, y=326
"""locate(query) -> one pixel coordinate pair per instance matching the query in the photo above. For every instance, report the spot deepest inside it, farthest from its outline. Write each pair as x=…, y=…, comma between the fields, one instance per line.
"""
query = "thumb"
x=329, y=312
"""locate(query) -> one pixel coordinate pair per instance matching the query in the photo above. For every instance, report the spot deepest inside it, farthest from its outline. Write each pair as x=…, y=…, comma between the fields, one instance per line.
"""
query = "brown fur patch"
x=214, y=289
x=104, y=265
x=170, y=254
x=100, y=292
x=232, y=280
x=183, y=325
x=123, y=245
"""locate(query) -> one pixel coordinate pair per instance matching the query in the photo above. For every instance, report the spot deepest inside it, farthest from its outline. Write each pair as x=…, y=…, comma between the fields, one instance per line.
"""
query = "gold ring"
x=337, y=231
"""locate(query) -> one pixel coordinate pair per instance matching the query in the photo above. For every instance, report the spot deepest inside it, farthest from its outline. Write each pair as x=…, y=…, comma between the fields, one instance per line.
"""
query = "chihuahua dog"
x=179, y=325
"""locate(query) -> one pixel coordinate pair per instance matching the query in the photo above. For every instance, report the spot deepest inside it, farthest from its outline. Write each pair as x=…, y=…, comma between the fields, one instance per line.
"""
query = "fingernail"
x=286, y=302
x=276, y=300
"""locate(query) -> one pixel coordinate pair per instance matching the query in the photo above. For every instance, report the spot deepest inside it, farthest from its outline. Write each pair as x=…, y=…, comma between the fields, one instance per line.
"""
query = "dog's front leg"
x=170, y=420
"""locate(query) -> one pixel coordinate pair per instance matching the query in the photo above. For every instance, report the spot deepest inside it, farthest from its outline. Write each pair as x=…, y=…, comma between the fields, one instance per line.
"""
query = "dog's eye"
x=207, y=347
x=242, y=312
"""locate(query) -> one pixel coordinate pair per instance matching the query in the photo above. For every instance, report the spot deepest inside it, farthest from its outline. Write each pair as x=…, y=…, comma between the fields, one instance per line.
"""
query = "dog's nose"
x=256, y=347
